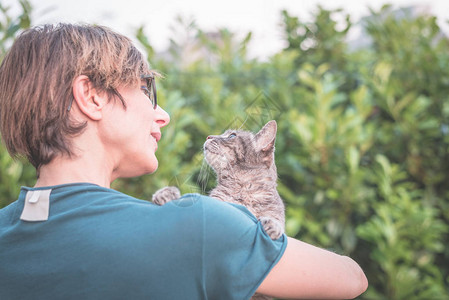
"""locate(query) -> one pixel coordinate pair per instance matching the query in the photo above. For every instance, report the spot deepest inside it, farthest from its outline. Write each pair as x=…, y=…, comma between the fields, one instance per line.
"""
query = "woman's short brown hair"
x=36, y=79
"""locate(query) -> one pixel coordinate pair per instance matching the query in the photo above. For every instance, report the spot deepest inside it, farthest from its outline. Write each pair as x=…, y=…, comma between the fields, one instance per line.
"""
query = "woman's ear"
x=89, y=102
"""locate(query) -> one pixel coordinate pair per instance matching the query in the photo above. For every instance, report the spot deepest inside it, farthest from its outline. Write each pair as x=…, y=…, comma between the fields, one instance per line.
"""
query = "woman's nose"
x=162, y=117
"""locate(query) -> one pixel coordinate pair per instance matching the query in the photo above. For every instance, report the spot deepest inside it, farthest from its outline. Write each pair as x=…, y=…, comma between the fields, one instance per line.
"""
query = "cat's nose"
x=209, y=137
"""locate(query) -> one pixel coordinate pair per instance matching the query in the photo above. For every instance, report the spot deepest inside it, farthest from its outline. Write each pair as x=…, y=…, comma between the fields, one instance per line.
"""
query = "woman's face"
x=130, y=135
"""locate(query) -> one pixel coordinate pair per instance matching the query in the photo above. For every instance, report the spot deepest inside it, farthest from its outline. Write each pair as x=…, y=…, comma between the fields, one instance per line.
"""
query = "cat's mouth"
x=209, y=146
x=211, y=152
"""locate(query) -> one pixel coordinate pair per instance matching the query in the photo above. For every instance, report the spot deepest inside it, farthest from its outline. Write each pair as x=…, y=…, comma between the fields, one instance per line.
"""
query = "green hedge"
x=363, y=139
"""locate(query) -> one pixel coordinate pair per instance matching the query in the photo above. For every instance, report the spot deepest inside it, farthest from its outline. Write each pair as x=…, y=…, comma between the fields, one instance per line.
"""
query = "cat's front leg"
x=165, y=195
x=272, y=227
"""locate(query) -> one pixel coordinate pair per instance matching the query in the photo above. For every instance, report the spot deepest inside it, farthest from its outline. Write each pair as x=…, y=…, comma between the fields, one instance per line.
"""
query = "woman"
x=79, y=102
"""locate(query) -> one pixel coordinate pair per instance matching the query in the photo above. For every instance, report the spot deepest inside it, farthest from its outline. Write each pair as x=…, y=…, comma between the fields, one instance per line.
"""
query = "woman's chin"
x=138, y=169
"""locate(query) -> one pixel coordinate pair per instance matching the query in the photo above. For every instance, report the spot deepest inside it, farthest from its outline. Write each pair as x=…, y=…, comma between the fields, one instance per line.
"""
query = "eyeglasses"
x=150, y=89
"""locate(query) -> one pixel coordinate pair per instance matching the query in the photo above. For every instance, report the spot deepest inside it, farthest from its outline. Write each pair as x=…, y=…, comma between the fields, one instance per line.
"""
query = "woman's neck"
x=89, y=163
x=65, y=170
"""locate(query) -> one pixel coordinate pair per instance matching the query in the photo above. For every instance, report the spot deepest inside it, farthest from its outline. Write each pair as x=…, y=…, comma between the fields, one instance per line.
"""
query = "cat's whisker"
x=203, y=176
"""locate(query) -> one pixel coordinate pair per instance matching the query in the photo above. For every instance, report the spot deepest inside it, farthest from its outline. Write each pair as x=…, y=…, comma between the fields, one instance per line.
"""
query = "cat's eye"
x=232, y=135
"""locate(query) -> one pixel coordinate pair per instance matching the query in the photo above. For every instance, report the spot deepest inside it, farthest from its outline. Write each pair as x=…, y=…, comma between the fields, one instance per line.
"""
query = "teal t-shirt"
x=102, y=244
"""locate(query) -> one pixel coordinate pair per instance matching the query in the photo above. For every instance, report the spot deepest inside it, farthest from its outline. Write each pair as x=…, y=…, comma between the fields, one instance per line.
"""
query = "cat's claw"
x=272, y=227
x=165, y=195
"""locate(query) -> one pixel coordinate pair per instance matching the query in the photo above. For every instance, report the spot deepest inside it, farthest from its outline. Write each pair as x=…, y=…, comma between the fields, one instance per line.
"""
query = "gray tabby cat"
x=246, y=175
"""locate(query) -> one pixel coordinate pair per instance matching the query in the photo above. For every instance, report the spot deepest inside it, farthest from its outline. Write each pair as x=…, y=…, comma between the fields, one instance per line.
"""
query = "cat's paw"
x=272, y=227
x=165, y=195
x=261, y=297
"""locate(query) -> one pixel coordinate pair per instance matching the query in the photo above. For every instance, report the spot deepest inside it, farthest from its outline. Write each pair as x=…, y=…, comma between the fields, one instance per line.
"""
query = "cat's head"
x=237, y=149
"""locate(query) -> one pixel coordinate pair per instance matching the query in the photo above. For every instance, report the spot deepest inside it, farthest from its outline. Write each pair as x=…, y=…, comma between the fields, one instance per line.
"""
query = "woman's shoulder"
x=213, y=207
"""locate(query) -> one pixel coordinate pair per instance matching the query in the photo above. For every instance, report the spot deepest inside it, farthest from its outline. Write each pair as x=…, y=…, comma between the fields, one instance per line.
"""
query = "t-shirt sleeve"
x=237, y=253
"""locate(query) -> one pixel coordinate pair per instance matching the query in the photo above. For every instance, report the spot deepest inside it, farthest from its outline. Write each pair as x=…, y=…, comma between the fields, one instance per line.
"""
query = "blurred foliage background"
x=363, y=139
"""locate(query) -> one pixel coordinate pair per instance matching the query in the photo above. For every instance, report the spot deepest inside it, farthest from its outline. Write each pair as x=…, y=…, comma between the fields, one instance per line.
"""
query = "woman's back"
x=101, y=244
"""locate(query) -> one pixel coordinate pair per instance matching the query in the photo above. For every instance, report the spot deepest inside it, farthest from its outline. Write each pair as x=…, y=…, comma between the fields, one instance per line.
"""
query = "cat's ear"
x=266, y=137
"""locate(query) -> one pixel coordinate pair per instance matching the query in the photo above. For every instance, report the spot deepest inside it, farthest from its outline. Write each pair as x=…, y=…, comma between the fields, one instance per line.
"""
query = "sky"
x=261, y=17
